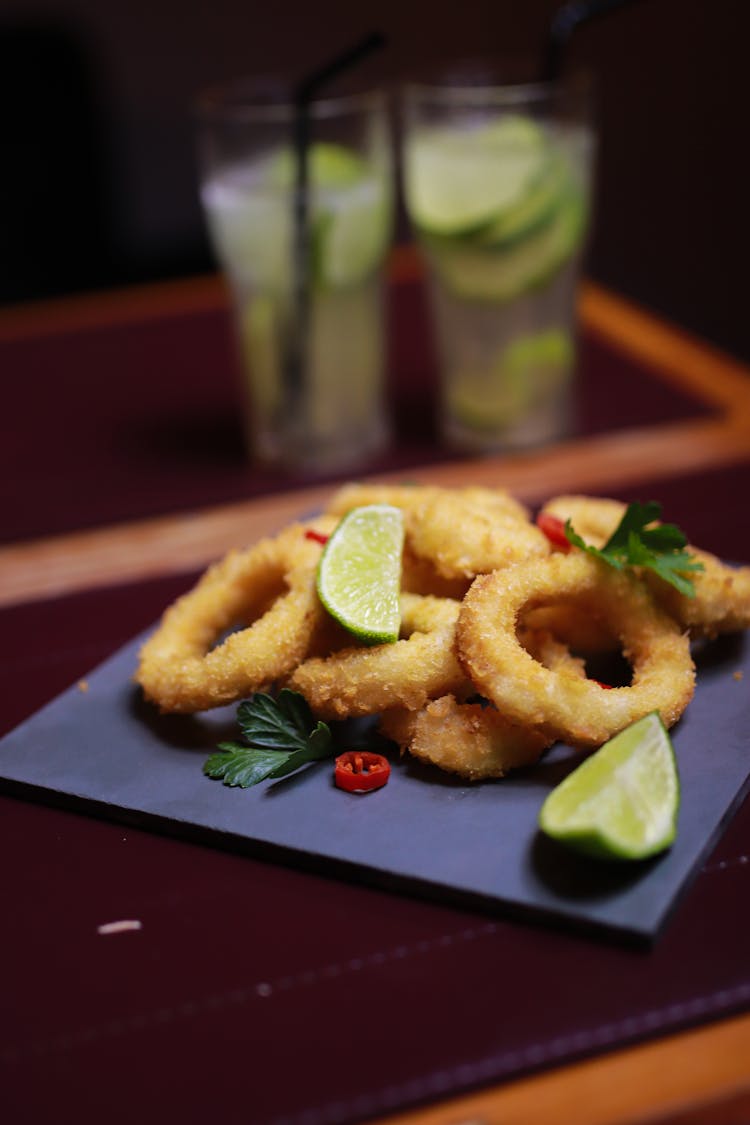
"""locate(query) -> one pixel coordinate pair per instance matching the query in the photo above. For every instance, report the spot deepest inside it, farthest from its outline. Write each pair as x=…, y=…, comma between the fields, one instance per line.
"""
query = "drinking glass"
x=298, y=202
x=497, y=183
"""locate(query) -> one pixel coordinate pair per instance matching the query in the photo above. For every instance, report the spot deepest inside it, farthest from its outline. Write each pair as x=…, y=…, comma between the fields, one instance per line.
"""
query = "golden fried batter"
x=467, y=739
x=577, y=710
x=270, y=590
x=363, y=680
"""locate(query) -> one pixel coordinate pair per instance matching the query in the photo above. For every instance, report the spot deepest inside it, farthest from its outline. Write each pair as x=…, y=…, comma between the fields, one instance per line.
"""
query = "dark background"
x=99, y=178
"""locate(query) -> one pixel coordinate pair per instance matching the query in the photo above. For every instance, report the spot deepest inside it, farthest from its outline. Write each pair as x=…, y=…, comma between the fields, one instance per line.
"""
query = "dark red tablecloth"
x=140, y=419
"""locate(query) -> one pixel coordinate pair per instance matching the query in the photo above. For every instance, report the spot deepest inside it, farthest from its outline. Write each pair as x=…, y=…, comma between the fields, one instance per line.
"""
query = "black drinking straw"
x=566, y=21
x=304, y=94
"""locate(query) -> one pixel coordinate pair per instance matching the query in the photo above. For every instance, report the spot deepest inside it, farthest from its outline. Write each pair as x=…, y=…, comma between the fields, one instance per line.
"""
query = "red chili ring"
x=554, y=528
x=361, y=771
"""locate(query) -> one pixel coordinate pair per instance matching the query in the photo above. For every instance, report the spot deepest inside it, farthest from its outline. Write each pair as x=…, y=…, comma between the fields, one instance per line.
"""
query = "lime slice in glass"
x=481, y=273
x=460, y=181
x=621, y=803
x=351, y=211
x=525, y=374
x=359, y=574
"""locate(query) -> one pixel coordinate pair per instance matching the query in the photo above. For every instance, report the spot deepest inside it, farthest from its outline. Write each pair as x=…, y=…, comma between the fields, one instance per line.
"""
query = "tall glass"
x=302, y=241
x=497, y=187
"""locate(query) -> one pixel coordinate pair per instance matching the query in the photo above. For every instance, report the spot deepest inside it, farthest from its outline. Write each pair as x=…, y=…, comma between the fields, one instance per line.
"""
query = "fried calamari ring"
x=470, y=531
x=403, y=496
x=495, y=528
x=270, y=589
x=468, y=739
x=722, y=597
x=721, y=603
x=564, y=706
x=360, y=680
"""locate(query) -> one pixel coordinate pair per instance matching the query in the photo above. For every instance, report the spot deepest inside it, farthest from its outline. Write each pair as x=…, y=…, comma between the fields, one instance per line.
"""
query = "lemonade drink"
x=338, y=418
x=498, y=194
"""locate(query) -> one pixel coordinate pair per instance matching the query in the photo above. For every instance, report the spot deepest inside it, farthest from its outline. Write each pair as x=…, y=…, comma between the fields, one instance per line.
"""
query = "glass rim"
x=241, y=100
x=457, y=92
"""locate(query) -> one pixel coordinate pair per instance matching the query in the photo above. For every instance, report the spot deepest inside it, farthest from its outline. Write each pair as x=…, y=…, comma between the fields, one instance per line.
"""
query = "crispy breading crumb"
x=738, y=674
x=83, y=685
x=120, y=927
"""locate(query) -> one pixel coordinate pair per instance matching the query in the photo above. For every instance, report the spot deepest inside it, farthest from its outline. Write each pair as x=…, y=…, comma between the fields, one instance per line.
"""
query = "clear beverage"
x=498, y=192
x=336, y=418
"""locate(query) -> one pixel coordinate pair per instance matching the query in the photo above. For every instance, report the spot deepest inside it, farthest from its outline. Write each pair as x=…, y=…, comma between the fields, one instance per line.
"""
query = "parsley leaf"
x=639, y=540
x=280, y=735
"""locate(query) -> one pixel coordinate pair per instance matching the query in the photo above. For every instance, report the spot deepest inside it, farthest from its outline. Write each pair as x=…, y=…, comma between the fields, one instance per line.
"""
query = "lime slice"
x=525, y=374
x=359, y=574
x=459, y=181
x=622, y=802
x=501, y=273
x=537, y=208
x=351, y=212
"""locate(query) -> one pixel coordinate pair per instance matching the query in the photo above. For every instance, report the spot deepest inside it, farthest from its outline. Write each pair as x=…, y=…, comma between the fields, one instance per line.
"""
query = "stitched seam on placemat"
x=448, y=1081
x=466, y=1074
x=237, y=996
x=726, y=864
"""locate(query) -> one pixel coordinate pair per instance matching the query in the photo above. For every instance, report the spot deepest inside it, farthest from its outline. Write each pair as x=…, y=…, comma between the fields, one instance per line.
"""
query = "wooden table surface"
x=701, y=1075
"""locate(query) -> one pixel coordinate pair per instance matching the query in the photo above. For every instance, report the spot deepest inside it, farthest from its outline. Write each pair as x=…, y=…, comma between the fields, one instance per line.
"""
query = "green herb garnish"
x=280, y=735
x=638, y=540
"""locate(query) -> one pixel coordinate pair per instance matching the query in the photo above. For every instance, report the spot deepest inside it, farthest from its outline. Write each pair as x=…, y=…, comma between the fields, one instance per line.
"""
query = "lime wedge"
x=359, y=574
x=622, y=802
x=460, y=181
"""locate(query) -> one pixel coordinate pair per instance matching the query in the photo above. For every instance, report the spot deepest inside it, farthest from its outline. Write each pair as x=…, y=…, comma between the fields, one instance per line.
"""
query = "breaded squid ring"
x=495, y=528
x=721, y=603
x=366, y=680
x=468, y=739
x=722, y=597
x=270, y=589
x=404, y=496
x=579, y=711
x=472, y=531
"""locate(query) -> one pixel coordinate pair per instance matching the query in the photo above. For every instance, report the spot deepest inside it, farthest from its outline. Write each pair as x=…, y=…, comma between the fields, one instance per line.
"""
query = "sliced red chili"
x=554, y=528
x=318, y=536
x=601, y=683
x=361, y=771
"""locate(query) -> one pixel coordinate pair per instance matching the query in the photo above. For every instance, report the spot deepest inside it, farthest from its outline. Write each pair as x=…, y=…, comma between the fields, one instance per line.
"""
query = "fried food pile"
x=498, y=622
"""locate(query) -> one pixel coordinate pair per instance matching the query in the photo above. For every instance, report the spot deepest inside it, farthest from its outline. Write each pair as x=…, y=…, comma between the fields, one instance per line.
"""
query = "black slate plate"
x=106, y=752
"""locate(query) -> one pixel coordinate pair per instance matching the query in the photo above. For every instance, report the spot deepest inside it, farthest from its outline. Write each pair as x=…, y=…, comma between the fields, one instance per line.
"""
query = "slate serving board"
x=106, y=752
